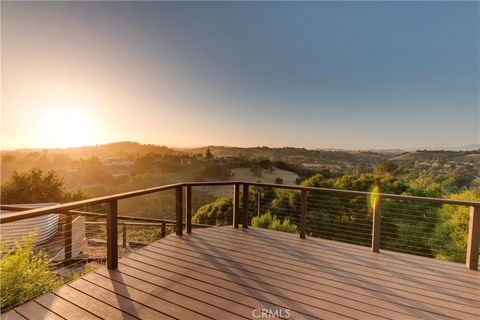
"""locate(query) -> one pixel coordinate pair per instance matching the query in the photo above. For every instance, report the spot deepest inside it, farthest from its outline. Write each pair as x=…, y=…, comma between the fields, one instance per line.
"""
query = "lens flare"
x=374, y=197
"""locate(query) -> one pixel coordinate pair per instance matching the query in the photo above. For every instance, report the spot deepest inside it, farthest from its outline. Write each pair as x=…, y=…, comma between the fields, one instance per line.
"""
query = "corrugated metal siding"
x=44, y=226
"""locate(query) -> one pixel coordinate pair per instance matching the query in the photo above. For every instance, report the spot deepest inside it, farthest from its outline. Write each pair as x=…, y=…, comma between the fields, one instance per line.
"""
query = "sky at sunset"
x=311, y=74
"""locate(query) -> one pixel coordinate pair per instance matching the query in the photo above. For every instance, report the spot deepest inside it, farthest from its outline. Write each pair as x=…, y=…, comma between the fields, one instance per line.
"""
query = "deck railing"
x=310, y=199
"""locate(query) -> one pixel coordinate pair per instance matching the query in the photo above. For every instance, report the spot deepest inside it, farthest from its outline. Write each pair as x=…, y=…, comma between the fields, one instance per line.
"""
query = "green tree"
x=7, y=158
x=318, y=181
x=209, y=155
x=386, y=167
x=256, y=170
x=35, y=186
x=219, y=212
x=285, y=204
x=266, y=164
x=345, y=217
x=460, y=178
x=361, y=168
x=449, y=239
x=92, y=171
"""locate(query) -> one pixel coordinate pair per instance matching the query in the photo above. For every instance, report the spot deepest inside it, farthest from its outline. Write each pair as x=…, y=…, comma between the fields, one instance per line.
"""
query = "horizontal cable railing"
x=61, y=242
x=82, y=235
x=391, y=222
x=341, y=215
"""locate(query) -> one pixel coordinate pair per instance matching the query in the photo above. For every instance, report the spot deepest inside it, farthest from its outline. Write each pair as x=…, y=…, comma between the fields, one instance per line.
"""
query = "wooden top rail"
x=13, y=208
x=15, y=216
x=213, y=183
x=10, y=217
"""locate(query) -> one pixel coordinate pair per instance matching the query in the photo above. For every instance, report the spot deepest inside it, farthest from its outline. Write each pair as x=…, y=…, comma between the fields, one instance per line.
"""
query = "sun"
x=66, y=125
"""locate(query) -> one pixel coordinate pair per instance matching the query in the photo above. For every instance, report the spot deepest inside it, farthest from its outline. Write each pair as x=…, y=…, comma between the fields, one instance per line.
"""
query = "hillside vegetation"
x=309, y=158
x=114, y=168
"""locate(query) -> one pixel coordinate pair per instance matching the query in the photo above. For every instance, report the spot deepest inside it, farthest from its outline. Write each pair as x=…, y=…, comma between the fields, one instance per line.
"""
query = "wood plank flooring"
x=227, y=273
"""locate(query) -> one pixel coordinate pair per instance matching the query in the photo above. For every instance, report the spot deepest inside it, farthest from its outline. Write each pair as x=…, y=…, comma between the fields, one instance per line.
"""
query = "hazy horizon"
x=430, y=148
x=318, y=75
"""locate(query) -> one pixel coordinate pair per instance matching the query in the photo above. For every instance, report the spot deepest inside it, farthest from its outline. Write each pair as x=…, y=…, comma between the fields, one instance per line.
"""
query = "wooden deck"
x=227, y=273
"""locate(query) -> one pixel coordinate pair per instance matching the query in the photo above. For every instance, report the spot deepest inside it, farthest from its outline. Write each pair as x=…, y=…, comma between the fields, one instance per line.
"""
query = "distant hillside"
x=440, y=156
x=104, y=151
x=245, y=174
x=309, y=158
x=470, y=147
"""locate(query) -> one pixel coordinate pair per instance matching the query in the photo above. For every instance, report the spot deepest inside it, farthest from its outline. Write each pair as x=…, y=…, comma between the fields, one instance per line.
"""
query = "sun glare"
x=66, y=125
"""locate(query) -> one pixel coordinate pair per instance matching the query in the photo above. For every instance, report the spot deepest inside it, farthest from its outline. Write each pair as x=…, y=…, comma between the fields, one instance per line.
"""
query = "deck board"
x=226, y=273
x=64, y=308
x=33, y=310
x=207, y=305
x=256, y=266
x=89, y=302
x=358, y=254
x=219, y=291
x=317, y=299
x=307, y=264
x=12, y=315
x=311, y=286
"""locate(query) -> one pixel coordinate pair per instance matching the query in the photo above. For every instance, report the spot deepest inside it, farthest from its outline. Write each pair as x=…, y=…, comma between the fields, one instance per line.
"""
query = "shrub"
x=77, y=274
x=284, y=226
x=266, y=221
x=24, y=274
x=262, y=221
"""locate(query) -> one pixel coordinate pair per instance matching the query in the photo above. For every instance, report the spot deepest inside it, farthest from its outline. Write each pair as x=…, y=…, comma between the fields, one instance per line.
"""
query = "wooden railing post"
x=124, y=235
x=303, y=213
x=179, y=210
x=67, y=235
x=245, y=206
x=188, y=205
x=112, y=236
x=377, y=217
x=163, y=230
x=473, y=244
x=236, y=204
